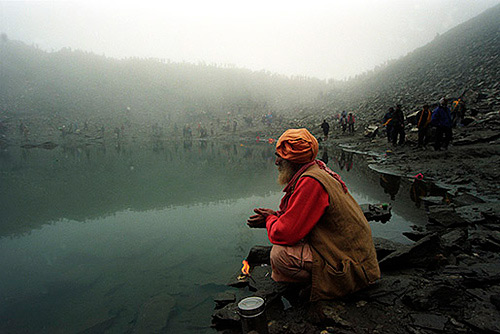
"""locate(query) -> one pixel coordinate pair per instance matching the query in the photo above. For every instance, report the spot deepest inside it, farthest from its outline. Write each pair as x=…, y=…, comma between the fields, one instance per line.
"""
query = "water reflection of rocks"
x=80, y=182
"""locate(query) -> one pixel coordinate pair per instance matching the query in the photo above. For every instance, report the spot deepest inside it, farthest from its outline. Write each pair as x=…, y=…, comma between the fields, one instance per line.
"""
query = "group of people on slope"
x=440, y=118
x=344, y=119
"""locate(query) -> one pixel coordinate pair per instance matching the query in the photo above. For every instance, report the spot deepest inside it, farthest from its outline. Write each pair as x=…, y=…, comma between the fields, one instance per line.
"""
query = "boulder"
x=421, y=254
x=445, y=216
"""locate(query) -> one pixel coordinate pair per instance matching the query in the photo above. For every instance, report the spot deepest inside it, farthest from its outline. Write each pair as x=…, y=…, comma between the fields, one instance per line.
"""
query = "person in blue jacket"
x=441, y=119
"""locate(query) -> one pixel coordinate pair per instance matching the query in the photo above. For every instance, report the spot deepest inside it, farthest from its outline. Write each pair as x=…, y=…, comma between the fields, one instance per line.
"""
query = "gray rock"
x=466, y=199
x=454, y=239
x=224, y=298
x=429, y=321
x=385, y=247
x=495, y=300
x=420, y=254
x=445, y=216
x=227, y=316
x=482, y=317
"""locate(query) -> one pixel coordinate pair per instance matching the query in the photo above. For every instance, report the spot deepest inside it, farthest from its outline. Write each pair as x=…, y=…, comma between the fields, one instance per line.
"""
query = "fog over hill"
x=78, y=86
x=464, y=59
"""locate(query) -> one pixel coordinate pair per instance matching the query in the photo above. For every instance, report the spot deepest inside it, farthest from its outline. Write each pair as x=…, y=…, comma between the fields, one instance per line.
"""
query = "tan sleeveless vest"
x=344, y=257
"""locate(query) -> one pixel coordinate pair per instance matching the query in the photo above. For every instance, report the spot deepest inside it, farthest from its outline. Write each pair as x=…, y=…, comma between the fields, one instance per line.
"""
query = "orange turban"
x=297, y=145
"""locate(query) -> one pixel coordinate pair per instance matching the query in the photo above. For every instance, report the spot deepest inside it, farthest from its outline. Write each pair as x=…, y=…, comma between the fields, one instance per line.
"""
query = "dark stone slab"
x=486, y=240
x=483, y=317
x=482, y=274
x=420, y=254
x=385, y=247
x=227, y=316
x=445, y=216
x=495, y=300
x=434, y=296
x=224, y=298
x=429, y=321
x=416, y=235
x=377, y=212
x=454, y=239
x=466, y=199
x=388, y=289
x=432, y=200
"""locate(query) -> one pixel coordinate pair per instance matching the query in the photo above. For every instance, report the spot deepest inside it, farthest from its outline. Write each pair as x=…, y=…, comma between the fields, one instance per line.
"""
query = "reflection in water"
x=345, y=160
x=89, y=235
x=418, y=190
x=324, y=156
x=391, y=184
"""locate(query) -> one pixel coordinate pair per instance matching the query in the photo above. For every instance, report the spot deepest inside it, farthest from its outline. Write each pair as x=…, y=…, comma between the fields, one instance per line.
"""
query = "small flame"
x=246, y=268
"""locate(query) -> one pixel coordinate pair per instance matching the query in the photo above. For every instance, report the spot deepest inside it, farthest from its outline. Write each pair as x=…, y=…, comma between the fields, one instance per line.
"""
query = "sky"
x=333, y=39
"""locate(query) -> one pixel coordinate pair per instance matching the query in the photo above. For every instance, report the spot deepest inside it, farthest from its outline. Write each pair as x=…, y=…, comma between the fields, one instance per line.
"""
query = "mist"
x=322, y=39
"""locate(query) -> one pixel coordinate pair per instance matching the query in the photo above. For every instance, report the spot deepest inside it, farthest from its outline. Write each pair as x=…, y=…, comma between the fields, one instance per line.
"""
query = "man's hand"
x=259, y=219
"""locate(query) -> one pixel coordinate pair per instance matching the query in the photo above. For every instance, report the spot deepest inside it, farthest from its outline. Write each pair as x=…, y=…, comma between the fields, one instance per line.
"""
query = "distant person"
x=398, y=129
x=387, y=122
x=320, y=235
x=424, y=117
x=458, y=112
x=343, y=121
x=350, y=122
x=441, y=119
x=326, y=128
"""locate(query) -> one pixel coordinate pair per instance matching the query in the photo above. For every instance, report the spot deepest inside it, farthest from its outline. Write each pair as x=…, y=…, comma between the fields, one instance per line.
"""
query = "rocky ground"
x=447, y=281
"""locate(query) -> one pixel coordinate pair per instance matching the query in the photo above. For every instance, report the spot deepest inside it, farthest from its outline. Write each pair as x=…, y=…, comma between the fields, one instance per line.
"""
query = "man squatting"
x=320, y=234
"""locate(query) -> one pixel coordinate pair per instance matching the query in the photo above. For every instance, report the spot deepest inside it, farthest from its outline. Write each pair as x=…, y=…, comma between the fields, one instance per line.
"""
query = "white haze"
x=324, y=39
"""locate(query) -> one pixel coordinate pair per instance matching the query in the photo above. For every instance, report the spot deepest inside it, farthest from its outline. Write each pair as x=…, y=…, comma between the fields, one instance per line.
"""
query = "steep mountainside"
x=75, y=84
x=464, y=59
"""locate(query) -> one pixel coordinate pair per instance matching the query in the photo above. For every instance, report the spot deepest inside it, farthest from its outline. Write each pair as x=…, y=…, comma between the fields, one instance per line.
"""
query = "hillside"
x=76, y=85
x=463, y=59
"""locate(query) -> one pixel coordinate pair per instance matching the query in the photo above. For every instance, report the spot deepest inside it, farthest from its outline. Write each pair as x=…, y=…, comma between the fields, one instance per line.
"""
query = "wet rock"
x=471, y=214
x=330, y=315
x=416, y=235
x=485, y=240
x=385, y=247
x=482, y=274
x=445, y=216
x=224, y=298
x=432, y=200
x=238, y=280
x=433, y=296
x=495, y=300
x=226, y=317
x=388, y=289
x=154, y=314
x=420, y=254
x=482, y=317
x=453, y=240
x=466, y=199
x=377, y=212
x=429, y=321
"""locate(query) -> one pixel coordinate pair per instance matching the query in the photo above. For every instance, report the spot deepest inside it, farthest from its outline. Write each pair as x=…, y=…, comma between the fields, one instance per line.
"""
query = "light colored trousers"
x=291, y=263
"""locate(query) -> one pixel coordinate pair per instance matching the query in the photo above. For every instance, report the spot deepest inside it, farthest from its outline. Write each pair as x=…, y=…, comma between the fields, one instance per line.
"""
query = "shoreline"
x=447, y=281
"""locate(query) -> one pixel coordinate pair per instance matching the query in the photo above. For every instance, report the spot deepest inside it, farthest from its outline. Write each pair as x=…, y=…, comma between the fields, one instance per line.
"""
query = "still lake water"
x=89, y=235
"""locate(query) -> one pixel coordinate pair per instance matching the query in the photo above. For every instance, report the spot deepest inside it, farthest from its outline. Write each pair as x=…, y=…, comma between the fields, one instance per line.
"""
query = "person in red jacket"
x=319, y=234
